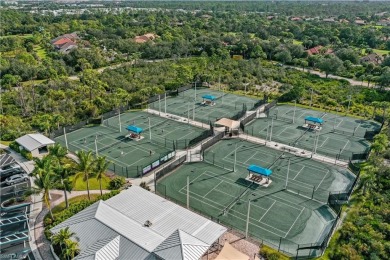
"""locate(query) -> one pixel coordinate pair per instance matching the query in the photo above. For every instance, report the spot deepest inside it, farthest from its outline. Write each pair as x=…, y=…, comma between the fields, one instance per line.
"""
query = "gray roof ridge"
x=119, y=232
x=180, y=230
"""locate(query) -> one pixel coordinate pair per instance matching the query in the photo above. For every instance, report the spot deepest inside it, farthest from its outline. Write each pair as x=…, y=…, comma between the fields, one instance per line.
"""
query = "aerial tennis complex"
x=192, y=105
x=154, y=141
x=277, y=196
x=290, y=211
x=338, y=136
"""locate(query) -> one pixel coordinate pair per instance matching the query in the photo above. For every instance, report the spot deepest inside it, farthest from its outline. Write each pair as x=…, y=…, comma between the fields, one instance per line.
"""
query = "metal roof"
x=34, y=141
x=166, y=216
x=181, y=245
x=314, y=119
x=6, y=159
x=259, y=170
x=135, y=129
x=110, y=251
x=175, y=232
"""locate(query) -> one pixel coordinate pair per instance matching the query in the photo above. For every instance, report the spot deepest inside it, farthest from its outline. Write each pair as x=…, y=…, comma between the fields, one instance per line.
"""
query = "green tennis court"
x=340, y=136
x=226, y=105
x=129, y=157
x=281, y=217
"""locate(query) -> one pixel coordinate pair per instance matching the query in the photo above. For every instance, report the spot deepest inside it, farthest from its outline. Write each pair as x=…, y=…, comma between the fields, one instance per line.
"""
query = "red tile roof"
x=61, y=42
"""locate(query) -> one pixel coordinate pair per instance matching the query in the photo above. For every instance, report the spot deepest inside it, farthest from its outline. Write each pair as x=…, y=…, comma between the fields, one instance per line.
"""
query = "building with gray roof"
x=137, y=224
x=35, y=143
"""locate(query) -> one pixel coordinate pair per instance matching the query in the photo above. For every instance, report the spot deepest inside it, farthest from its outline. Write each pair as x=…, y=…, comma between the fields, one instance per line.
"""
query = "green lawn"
x=93, y=183
x=377, y=51
x=296, y=42
x=18, y=35
x=60, y=207
x=5, y=142
x=40, y=51
x=32, y=82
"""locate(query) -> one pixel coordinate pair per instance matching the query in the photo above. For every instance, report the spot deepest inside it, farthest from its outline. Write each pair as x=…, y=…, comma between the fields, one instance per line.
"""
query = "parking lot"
x=14, y=230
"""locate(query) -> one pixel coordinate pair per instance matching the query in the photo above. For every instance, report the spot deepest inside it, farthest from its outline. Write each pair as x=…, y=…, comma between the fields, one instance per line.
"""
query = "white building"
x=37, y=144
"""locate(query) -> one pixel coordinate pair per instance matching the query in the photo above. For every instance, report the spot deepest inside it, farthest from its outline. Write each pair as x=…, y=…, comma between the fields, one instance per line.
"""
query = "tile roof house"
x=145, y=38
x=137, y=224
x=372, y=58
x=360, y=22
x=65, y=42
x=318, y=50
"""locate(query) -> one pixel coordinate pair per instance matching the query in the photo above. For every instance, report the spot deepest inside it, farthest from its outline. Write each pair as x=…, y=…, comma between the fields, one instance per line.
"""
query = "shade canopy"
x=259, y=170
x=135, y=129
x=314, y=119
x=209, y=97
x=228, y=123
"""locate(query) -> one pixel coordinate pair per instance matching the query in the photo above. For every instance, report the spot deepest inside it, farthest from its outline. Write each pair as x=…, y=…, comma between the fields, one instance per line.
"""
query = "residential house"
x=360, y=22
x=372, y=58
x=383, y=22
x=319, y=50
x=296, y=19
x=145, y=38
x=329, y=20
x=66, y=42
x=138, y=224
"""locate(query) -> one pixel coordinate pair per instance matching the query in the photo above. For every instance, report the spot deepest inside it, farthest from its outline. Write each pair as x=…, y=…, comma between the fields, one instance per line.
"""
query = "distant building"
x=145, y=38
x=319, y=50
x=372, y=58
x=296, y=19
x=360, y=22
x=383, y=22
x=329, y=20
x=65, y=43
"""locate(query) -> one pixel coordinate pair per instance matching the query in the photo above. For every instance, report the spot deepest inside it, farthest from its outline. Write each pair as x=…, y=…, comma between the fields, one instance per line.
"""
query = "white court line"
x=262, y=192
x=213, y=189
x=232, y=210
x=185, y=186
x=339, y=123
x=344, y=146
x=251, y=157
x=322, y=180
x=299, y=172
x=294, y=223
x=277, y=175
x=266, y=211
x=324, y=141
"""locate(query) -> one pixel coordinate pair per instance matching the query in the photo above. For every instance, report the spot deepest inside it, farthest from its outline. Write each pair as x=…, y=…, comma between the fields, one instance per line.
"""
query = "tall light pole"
x=311, y=97
x=247, y=218
x=288, y=171
x=150, y=130
x=295, y=107
x=272, y=125
x=349, y=103
x=245, y=85
x=235, y=158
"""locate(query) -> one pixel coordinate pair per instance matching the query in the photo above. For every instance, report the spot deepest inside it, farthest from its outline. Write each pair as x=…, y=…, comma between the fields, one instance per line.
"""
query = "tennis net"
x=280, y=156
x=338, y=131
x=110, y=145
x=231, y=204
x=284, y=119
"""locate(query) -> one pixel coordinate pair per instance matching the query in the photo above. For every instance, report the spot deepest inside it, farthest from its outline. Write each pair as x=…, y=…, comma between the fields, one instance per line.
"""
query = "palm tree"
x=71, y=249
x=42, y=165
x=61, y=237
x=85, y=167
x=58, y=151
x=62, y=175
x=43, y=183
x=101, y=166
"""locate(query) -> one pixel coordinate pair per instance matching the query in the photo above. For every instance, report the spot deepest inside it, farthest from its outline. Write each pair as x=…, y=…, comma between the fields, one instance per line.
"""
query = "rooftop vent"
x=148, y=223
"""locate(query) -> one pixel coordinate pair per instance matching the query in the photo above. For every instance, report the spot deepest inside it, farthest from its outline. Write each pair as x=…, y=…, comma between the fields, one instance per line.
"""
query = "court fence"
x=217, y=136
x=240, y=113
x=281, y=244
x=168, y=168
x=270, y=105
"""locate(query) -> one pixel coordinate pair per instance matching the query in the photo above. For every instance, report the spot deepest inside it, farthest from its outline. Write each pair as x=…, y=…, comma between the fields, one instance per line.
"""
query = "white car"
x=13, y=168
x=16, y=178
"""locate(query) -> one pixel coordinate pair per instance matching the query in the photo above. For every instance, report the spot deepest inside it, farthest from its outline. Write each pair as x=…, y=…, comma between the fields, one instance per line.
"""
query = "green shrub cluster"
x=26, y=154
x=116, y=183
x=73, y=209
x=14, y=146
